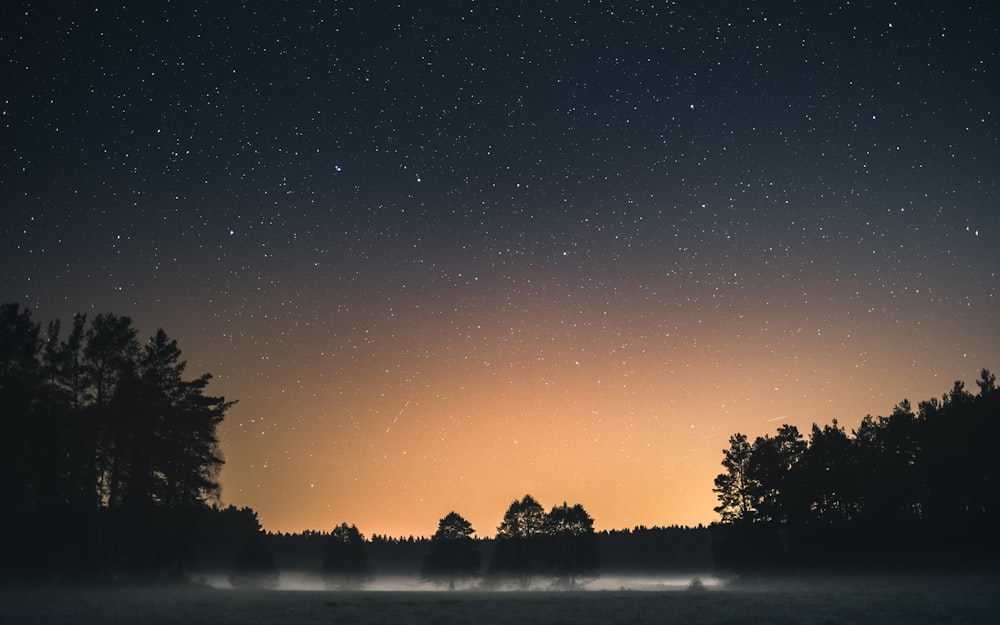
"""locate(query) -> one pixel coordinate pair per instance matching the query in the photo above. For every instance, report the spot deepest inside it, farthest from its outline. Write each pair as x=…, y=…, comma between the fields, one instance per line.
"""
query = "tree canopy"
x=454, y=554
x=519, y=541
x=531, y=542
x=571, y=534
x=345, y=558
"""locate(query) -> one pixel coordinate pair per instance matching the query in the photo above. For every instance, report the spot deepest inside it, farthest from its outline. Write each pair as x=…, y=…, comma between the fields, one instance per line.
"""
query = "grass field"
x=909, y=600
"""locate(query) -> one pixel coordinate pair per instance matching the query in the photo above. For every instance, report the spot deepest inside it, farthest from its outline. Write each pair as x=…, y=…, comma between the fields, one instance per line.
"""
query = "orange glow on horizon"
x=605, y=417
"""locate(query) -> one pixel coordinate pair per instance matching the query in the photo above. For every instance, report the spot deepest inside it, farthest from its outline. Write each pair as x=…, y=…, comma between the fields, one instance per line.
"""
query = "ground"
x=842, y=601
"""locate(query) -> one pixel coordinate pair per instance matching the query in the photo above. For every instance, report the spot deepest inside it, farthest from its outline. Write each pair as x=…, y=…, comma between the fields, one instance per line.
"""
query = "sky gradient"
x=444, y=257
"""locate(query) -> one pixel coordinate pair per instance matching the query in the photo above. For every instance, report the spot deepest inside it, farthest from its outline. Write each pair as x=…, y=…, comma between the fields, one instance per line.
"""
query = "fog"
x=306, y=581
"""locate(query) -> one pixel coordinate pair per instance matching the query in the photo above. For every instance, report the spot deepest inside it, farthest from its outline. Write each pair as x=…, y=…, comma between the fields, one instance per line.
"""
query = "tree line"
x=917, y=486
x=346, y=559
x=530, y=543
x=108, y=452
x=531, y=547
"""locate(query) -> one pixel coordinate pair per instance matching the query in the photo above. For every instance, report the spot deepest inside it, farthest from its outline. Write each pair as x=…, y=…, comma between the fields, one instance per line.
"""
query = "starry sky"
x=446, y=254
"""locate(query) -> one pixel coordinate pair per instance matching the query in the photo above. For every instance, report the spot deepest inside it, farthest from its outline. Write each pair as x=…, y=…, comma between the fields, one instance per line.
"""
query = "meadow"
x=913, y=600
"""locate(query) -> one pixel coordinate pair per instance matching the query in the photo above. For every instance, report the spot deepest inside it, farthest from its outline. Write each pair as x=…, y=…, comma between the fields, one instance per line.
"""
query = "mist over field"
x=312, y=582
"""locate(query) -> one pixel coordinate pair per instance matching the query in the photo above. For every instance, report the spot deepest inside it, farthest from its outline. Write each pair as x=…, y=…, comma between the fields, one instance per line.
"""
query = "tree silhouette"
x=109, y=355
x=982, y=417
x=520, y=541
x=829, y=477
x=345, y=559
x=454, y=554
x=180, y=429
x=96, y=423
x=959, y=487
x=73, y=434
x=888, y=452
x=570, y=532
x=23, y=438
x=771, y=462
x=735, y=489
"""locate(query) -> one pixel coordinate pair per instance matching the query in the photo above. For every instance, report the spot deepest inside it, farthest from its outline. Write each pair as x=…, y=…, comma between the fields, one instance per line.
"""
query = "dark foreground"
x=911, y=600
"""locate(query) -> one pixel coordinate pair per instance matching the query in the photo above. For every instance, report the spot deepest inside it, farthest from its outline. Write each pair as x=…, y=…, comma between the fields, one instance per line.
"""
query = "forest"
x=111, y=461
x=916, y=488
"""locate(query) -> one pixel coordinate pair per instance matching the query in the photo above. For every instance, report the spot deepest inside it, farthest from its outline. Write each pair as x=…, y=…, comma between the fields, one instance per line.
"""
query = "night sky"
x=446, y=254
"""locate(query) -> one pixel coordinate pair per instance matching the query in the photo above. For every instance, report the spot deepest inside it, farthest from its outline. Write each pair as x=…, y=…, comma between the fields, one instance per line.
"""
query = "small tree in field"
x=454, y=553
x=518, y=546
x=570, y=531
x=345, y=560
